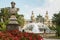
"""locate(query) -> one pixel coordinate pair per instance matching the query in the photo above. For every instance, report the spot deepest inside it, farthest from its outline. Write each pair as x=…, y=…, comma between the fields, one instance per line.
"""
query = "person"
x=23, y=30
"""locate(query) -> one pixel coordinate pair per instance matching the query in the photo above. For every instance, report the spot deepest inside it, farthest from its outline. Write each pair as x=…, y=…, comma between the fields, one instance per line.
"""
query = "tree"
x=39, y=18
x=5, y=15
x=56, y=20
x=20, y=19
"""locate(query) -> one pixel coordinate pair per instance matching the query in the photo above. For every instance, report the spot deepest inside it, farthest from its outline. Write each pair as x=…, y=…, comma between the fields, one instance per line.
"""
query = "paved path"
x=51, y=39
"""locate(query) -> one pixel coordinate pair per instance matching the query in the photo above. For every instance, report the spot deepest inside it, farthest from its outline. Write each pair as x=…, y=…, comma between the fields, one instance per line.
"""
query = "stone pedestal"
x=13, y=24
x=12, y=27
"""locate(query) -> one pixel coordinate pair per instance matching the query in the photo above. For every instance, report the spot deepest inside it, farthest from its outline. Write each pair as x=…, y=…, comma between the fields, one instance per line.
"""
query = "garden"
x=17, y=35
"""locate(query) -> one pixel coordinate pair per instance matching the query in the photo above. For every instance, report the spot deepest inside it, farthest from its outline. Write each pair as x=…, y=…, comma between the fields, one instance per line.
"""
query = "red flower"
x=17, y=35
x=26, y=35
x=30, y=38
x=16, y=38
x=35, y=39
x=39, y=37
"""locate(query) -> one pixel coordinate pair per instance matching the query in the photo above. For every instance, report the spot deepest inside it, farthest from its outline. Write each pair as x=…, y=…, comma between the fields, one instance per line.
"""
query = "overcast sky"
x=38, y=6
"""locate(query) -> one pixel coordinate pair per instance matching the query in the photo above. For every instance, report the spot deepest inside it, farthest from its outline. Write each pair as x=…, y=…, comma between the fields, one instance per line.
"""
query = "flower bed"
x=17, y=35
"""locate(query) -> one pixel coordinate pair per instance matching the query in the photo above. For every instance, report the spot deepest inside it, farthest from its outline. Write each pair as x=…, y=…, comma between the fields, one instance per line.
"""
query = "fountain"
x=36, y=28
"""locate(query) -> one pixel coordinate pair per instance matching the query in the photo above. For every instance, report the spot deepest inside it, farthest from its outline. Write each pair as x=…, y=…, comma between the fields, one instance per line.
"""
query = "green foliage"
x=56, y=20
x=20, y=20
x=5, y=14
x=2, y=27
x=58, y=30
x=52, y=28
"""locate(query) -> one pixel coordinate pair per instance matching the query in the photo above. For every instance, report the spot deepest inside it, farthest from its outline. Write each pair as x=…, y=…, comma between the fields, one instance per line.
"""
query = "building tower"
x=46, y=21
x=32, y=17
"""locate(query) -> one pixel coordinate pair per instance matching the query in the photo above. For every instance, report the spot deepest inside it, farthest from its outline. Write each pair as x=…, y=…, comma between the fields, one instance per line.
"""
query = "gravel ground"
x=51, y=39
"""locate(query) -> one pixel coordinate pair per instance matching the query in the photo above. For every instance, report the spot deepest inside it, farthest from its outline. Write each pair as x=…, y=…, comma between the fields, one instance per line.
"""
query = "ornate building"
x=39, y=18
x=45, y=20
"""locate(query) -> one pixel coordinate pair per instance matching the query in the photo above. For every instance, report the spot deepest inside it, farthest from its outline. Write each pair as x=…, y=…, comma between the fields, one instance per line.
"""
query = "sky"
x=37, y=6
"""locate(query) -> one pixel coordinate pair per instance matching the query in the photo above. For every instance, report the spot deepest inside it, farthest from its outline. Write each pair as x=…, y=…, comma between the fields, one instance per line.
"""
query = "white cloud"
x=50, y=0
x=52, y=6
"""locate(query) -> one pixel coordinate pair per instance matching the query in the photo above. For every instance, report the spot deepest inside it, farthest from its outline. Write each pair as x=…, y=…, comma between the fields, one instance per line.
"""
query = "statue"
x=13, y=10
x=13, y=24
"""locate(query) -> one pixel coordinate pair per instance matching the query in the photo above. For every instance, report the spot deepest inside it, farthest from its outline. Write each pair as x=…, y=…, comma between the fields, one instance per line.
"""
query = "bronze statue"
x=13, y=9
